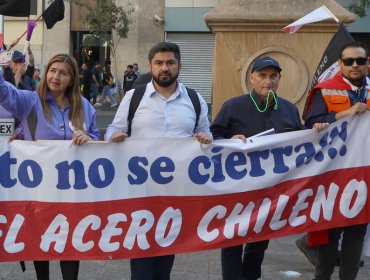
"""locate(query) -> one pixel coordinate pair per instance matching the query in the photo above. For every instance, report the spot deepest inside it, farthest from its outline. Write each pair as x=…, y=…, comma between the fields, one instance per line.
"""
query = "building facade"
x=180, y=21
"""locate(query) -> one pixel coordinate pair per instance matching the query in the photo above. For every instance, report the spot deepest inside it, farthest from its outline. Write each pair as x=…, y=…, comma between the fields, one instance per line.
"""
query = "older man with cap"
x=22, y=74
x=244, y=116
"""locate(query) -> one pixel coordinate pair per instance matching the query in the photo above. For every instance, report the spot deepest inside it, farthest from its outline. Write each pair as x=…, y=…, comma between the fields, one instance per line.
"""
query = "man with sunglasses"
x=348, y=93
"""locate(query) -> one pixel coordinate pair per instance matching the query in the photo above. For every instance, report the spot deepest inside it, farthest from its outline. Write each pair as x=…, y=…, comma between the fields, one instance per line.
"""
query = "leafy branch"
x=104, y=18
x=359, y=7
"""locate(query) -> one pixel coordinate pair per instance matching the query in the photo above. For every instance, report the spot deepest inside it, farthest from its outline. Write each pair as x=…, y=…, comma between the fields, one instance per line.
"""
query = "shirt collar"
x=180, y=90
x=50, y=99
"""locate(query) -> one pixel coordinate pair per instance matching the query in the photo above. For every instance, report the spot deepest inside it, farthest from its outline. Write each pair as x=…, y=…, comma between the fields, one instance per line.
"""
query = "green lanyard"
x=267, y=101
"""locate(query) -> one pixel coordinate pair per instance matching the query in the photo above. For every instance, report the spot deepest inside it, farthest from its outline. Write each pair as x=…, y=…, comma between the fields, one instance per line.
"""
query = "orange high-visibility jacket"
x=335, y=94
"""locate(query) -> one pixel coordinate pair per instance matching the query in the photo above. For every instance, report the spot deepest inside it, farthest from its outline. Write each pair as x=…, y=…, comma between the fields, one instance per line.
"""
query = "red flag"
x=1, y=42
x=15, y=8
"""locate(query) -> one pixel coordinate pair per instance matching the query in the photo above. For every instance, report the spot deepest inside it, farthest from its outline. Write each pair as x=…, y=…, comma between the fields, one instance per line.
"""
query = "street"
x=281, y=257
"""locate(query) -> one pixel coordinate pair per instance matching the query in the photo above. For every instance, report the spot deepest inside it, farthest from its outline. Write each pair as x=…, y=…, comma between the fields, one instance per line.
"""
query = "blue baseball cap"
x=264, y=62
x=17, y=56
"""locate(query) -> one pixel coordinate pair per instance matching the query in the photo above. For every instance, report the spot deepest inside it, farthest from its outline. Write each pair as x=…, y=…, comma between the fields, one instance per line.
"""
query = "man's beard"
x=357, y=82
x=165, y=83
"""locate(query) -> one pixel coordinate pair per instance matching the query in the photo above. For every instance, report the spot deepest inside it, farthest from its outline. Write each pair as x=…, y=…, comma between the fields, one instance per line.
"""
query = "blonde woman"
x=57, y=112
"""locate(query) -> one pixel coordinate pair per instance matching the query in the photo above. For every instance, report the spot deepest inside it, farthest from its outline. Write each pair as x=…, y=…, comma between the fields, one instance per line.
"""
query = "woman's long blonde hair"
x=76, y=115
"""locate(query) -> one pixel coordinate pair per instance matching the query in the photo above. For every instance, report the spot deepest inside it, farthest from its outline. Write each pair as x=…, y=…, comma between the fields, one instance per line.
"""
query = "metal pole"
x=2, y=25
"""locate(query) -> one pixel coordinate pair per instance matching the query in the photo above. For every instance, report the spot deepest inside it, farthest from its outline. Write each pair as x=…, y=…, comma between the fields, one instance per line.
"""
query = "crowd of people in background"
x=97, y=83
x=101, y=88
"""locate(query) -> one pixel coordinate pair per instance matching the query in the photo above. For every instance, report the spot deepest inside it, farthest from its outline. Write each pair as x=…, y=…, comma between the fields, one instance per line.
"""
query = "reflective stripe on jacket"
x=338, y=100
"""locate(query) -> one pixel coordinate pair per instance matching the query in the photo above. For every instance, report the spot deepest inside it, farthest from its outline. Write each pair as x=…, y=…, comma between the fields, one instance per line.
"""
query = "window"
x=33, y=7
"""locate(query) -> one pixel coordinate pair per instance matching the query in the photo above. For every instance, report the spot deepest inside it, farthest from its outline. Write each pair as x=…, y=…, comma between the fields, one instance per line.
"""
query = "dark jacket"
x=239, y=115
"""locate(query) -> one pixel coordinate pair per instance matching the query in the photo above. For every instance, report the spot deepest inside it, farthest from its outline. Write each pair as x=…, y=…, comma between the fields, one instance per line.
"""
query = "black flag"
x=15, y=8
x=54, y=13
x=328, y=66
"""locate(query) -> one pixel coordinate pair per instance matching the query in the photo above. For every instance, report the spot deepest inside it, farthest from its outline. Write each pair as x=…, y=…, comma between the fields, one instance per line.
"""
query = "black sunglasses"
x=348, y=61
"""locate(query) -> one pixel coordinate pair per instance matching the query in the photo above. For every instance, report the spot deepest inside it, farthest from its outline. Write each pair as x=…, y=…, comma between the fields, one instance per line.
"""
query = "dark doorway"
x=89, y=49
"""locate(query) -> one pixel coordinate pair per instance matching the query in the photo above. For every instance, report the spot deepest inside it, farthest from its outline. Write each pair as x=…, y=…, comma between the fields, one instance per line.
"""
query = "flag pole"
x=25, y=32
x=333, y=16
x=2, y=24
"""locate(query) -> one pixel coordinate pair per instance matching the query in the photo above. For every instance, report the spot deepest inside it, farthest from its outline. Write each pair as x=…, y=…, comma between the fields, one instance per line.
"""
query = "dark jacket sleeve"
x=318, y=111
x=299, y=125
x=9, y=75
x=143, y=79
x=220, y=125
x=30, y=70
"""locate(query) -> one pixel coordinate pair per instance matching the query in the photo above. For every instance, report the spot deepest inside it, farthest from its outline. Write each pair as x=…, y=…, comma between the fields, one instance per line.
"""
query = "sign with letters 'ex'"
x=6, y=127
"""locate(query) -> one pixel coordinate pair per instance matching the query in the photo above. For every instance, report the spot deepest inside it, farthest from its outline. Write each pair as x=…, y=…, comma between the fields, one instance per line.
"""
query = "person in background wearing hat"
x=244, y=116
x=23, y=74
x=4, y=114
x=15, y=74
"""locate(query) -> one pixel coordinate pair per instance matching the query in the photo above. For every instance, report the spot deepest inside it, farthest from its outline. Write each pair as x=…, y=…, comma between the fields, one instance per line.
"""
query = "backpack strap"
x=138, y=95
x=134, y=103
x=196, y=104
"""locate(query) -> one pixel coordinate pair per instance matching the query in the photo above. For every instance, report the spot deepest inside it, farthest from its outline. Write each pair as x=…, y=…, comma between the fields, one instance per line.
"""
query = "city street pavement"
x=104, y=117
x=281, y=257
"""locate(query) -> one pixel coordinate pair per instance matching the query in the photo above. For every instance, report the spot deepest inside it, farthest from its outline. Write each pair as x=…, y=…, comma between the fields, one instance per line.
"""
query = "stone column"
x=246, y=30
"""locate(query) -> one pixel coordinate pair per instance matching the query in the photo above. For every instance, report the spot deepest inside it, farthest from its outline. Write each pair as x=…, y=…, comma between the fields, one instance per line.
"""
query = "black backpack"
x=138, y=95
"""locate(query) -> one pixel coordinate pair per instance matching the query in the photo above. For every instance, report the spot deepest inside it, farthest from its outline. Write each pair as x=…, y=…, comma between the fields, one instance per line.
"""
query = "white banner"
x=159, y=196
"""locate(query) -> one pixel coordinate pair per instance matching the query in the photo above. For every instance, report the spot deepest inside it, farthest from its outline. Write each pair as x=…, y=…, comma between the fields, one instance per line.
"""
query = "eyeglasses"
x=348, y=61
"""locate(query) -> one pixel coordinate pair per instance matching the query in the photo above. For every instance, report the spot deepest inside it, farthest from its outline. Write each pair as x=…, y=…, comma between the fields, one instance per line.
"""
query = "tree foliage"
x=359, y=7
x=103, y=18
